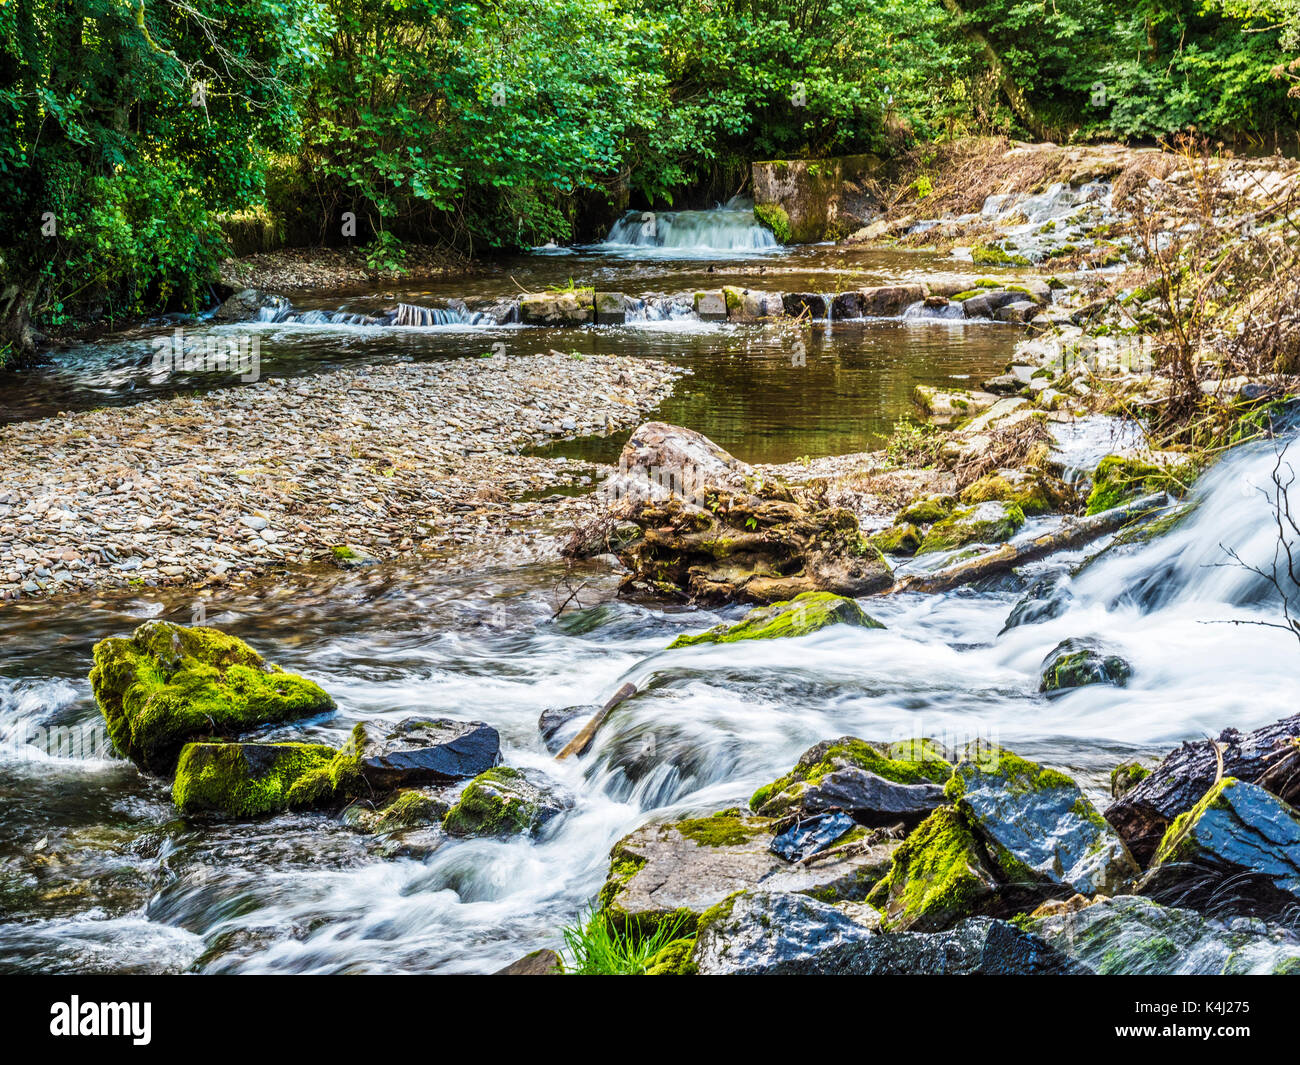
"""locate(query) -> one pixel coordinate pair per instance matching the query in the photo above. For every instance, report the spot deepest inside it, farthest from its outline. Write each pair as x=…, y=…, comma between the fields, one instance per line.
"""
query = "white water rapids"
x=304, y=894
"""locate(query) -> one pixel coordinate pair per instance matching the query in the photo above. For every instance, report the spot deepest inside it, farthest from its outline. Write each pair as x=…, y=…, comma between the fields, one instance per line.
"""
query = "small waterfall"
x=949, y=312
x=408, y=315
x=659, y=309
x=729, y=228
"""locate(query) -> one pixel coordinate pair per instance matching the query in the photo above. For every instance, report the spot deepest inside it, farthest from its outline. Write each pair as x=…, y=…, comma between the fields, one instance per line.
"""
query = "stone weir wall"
x=802, y=200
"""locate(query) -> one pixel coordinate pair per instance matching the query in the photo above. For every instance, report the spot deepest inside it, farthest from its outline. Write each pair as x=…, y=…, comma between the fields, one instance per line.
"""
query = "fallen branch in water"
x=583, y=739
x=1071, y=533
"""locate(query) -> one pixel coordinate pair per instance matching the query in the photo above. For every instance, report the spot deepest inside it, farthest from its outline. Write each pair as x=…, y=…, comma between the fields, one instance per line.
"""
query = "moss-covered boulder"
x=1033, y=491
x=1038, y=828
x=800, y=616
x=939, y=875
x=506, y=802
x=409, y=808
x=166, y=685
x=1119, y=479
x=903, y=539
x=1076, y=663
x=987, y=523
x=911, y=762
x=927, y=511
x=257, y=779
x=677, y=871
x=1238, y=849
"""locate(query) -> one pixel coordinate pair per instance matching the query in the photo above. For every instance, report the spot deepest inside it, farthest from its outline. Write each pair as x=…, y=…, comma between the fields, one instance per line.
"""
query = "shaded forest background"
x=133, y=131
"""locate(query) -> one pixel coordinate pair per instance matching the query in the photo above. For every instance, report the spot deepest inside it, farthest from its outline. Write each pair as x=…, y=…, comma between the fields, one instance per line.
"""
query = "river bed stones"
x=552, y=309
x=420, y=751
x=167, y=684
x=806, y=613
x=876, y=783
x=391, y=460
x=993, y=522
x=1135, y=936
x=1038, y=826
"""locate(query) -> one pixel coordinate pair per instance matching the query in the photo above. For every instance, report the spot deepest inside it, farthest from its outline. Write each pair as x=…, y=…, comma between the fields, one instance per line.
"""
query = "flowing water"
x=98, y=875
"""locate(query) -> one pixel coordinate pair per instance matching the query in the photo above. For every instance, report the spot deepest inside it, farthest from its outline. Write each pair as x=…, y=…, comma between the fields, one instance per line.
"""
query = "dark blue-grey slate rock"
x=810, y=835
x=1040, y=828
x=761, y=934
x=423, y=751
x=870, y=798
x=1237, y=850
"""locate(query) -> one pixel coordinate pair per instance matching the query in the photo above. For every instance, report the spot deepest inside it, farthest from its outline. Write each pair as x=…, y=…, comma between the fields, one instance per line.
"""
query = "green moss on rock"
x=902, y=539
x=726, y=828
x=938, y=877
x=987, y=523
x=908, y=762
x=799, y=616
x=1118, y=480
x=256, y=779
x=501, y=802
x=927, y=511
x=167, y=684
x=775, y=218
x=673, y=959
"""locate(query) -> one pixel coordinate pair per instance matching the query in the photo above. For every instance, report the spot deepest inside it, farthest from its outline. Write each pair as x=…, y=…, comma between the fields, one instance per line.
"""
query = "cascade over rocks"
x=711, y=531
x=1268, y=756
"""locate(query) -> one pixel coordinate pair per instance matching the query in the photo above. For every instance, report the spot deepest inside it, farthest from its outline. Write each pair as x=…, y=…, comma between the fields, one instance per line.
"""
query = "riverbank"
x=295, y=269
x=342, y=467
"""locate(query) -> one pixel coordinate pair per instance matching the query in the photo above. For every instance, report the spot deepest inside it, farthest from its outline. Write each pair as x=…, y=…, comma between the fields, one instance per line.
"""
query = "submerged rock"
x=558, y=725
x=987, y=523
x=1046, y=598
x=1076, y=663
x=765, y=933
x=256, y=779
x=1040, y=830
x=167, y=684
x=1135, y=936
x=1268, y=756
x=800, y=616
x=410, y=808
x=421, y=751
x=506, y=802
x=1237, y=849
x=681, y=869
x=873, y=782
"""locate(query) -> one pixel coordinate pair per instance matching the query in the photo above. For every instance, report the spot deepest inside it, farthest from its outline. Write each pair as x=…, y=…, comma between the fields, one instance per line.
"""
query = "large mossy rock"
x=677, y=871
x=875, y=782
x=986, y=523
x=1076, y=663
x=1269, y=756
x=166, y=685
x=1237, y=850
x=422, y=751
x=1033, y=491
x=804, y=614
x=409, y=808
x=506, y=802
x=564, y=309
x=257, y=779
x=769, y=934
x=940, y=875
x=1119, y=479
x=800, y=200
x=695, y=523
x=1135, y=936
x=1037, y=826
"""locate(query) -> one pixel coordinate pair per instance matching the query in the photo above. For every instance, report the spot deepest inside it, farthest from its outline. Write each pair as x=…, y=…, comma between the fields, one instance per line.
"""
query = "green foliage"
x=594, y=948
